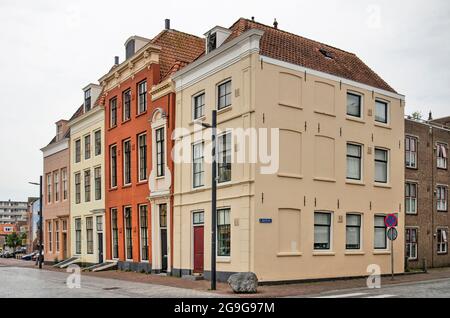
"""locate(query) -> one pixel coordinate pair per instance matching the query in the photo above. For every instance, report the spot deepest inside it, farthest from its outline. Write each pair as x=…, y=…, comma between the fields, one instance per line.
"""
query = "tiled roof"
x=99, y=102
x=288, y=47
x=177, y=50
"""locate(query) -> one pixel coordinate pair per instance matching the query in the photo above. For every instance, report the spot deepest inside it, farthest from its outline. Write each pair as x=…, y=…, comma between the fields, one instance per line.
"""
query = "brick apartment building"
x=426, y=192
x=135, y=129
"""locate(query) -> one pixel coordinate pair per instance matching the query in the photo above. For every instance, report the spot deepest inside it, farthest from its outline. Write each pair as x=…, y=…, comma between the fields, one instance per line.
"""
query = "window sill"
x=160, y=178
x=224, y=184
x=325, y=180
x=356, y=253
x=126, y=186
x=111, y=128
x=411, y=214
x=412, y=168
x=324, y=113
x=126, y=121
x=223, y=260
x=224, y=110
x=382, y=125
x=197, y=121
x=382, y=252
x=358, y=120
x=318, y=253
x=296, y=254
x=142, y=182
x=382, y=185
x=113, y=189
x=355, y=182
x=290, y=176
x=141, y=114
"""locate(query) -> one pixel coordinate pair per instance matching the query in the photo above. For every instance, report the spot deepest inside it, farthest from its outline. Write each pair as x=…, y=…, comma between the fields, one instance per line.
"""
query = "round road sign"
x=392, y=234
x=391, y=221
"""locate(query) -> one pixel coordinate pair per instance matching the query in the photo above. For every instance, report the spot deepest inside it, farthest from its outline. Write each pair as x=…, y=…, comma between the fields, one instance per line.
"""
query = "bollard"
x=425, y=267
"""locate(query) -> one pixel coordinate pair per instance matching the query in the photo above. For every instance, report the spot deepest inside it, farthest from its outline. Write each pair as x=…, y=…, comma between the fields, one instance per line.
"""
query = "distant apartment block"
x=13, y=212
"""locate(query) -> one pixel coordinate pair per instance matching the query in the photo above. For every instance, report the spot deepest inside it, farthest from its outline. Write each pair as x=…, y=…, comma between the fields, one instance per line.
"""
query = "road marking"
x=344, y=295
x=381, y=296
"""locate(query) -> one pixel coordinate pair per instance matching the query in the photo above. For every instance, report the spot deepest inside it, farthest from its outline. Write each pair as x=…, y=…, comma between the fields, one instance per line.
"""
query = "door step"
x=193, y=277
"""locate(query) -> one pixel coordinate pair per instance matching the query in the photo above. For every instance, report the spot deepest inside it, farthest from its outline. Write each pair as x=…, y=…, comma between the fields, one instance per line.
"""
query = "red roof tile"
x=288, y=47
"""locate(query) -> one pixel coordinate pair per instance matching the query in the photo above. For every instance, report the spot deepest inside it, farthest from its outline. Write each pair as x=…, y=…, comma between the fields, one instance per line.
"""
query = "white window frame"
x=125, y=232
x=411, y=154
x=139, y=157
x=445, y=201
x=330, y=249
x=374, y=233
x=228, y=80
x=361, y=227
x=361, y=166
x=411, y=245
x=441, y=162
x=442, y=247
x=203, y=165
x=388, y=112
x=123, y=164
x=111, y=167
x=361, y=96
x=140, y=233
x=224, y=258
x=411, y=199
x=112, y=234
x=222, y=135
x=388, y=164
x=194, y=97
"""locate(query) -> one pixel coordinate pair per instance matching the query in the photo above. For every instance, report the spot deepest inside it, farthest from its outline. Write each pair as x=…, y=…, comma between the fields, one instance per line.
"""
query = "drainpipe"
x=433, y=195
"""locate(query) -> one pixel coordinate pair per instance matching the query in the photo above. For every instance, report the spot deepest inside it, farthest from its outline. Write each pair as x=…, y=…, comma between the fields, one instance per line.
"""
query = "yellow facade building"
x=313, y=206
x=87, y=180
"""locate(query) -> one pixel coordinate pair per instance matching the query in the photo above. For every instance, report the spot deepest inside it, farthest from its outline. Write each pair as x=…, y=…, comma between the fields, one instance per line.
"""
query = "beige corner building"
x=87, y=162
x=340, y=168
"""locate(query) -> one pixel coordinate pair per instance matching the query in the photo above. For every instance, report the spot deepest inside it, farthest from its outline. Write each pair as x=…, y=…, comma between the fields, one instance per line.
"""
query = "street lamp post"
x=213, y=198
x=40, y=220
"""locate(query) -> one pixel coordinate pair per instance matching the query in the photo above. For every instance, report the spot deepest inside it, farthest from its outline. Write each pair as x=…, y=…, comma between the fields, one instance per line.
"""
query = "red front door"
x=198, y=249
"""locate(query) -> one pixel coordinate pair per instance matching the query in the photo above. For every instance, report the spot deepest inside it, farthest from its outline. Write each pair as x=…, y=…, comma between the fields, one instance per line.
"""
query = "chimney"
x=116, y=60
x=430, y=116
x=253, y=19
x=275, y=24
x=167, y=24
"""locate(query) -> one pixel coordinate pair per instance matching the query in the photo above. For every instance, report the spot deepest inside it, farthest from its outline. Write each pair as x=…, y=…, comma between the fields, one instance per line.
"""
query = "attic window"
x=212, y=42
x=87, y=100
x=327, y=54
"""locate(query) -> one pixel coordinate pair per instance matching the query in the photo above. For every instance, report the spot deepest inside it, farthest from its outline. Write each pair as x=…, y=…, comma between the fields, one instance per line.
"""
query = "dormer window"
x=87, y=100
x=212, y=42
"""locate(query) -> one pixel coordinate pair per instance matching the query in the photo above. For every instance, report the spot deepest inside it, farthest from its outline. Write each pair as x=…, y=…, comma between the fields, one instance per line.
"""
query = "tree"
x=416, y=115
x=14, y=240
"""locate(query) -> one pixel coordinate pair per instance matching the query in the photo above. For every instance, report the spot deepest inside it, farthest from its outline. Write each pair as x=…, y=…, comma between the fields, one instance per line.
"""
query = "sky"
x=51, y=49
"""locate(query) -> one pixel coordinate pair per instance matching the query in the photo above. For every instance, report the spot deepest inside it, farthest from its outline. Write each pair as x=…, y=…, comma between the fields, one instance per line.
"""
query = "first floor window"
x=223, y=232
x=353, y=232
x=142, y=140
x=90, y=235
x=128, y=233
x=224, y=158
x=113, y=165
x=198, y=170
x=354, y=159
x=87, y=186
x=411, y=244
x=49, y=188
x=381, y=165
x=87, y=147
x=98, y=183
x=64, y=183
x=322, y=231
x=142, y=98
x=57, y=235
x=115, y=234
x=224, y=95
x=380, y=241
x=78, y=236
x=56, y=185
x=160, y=152
x=143, y=222
x=77, y=188
x=442, y=241
x=77, y=150
x=411, y=198
x=98, y=142
x=441, y=196
x=50, y=246
x=127, y=162
x=199, y=106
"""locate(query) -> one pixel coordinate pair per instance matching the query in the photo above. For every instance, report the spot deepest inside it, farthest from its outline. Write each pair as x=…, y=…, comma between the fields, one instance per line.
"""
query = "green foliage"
x=417, y=115
x=15, y=240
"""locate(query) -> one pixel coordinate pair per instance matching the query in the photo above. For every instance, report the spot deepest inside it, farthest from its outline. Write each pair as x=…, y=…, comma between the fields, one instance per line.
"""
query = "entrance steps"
x=67, y=262
x=103, y=266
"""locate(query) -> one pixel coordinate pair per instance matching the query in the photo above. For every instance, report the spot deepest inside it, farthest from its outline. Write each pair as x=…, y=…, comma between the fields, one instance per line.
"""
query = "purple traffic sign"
x=391, y=221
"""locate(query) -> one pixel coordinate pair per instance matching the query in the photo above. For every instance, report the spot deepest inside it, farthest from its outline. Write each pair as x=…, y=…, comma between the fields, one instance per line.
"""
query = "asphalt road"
x=18, y=282
x=429, y=289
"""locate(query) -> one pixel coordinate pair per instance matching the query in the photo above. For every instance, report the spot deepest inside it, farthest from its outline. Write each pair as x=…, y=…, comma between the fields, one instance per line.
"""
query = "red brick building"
x=426, y=192
x=138, y=128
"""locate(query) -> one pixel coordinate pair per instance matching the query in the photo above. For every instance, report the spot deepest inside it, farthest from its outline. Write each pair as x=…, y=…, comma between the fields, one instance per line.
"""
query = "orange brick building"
x=138, y=128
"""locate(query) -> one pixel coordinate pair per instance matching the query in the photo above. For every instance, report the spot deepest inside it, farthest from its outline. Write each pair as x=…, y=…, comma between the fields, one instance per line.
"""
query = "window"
x=113, y=165
x=353, y=232
x=160, y=165
x=224, y=158
x=354, y=105
x=87, y=186
x=77, y=151
x=127, y=162
x=126, y=115
x=224, y=95
x=98, y=142
x=381, y=166
x=199, y=106
x=78, y=236
x=142, y=140
x=354, y=162
x=99, y=223
x=49, y=188
x=380, y=241
x=223, y=233
x=87, y=147
x=381, y=112
x=128, y=233
x=87, y=100
x=64, y=225
x=411, y=244
x=212, y=42
x=64, y=183
x=114, y=234
x=77, y=188
x=50, y=238
x=411, y=152
x=98, y=183
x=441, y=156
x=143, y=222
x=199, y=218
x=411, y=198
x=441, y=196
x=142, y=99
x=57, y=235
x=90, y=235
x=163, y=215
x=198, y=170
x=56, y=185
x=442, y=241
x=113, y=112
x=322, y=231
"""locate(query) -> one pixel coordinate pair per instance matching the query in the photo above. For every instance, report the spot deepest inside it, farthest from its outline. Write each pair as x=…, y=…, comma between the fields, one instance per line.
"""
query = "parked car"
x=29, y=257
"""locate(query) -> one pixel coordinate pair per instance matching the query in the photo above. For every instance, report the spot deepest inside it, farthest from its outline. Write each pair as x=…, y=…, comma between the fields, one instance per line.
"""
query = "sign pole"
x=392, y=259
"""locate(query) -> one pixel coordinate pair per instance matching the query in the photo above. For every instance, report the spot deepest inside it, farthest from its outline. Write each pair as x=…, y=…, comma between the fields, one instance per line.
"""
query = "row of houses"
x=128, y=176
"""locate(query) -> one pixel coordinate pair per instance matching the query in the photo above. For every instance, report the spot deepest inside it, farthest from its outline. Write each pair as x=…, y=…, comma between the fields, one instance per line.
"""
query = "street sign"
x=392, y=234
x=265, y=221
x=391, y=221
